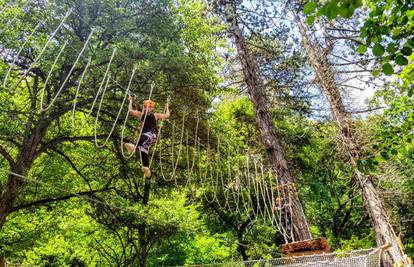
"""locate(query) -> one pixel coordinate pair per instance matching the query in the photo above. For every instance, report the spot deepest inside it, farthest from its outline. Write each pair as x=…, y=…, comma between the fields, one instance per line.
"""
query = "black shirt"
x=150, y=123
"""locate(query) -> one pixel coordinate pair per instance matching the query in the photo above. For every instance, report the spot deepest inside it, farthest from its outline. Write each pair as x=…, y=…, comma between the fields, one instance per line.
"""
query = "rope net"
x=357, y=258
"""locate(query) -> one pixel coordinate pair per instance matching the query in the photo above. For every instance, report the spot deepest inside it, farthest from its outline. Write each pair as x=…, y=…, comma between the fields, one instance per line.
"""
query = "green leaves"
x=386, y=26
x=406, y=50
x=391, y=48
x=401, y=60
x=310, y=7
x=310, y=20
x=387, y=69
x=333, y=9
x=361, y=49
x=378, y=50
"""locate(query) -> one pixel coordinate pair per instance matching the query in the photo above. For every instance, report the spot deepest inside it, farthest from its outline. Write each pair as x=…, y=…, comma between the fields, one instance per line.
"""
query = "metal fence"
x=358, y=258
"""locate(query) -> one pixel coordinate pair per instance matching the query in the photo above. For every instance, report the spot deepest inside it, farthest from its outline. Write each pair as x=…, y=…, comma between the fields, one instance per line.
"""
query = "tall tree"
x=272, y=142
x=326, y=77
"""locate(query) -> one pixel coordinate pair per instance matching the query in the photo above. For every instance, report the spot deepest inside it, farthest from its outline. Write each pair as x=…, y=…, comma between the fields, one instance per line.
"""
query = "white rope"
x=77, y=91
x=195, y=142
x=179, y=150
x=217, y=167
x=292, y=223
x=51, y=71
x=42, y=109
x=102, y=83
x=156, y=143
x=161, y=157
x=249, y=185
x=243, y=174
x=161, y=123
x=119, y=111
x=262, y=183
x=235, y=187
x=265, y=193
x=208, y=166
x=188, y=175
x=20, y=51
x=43, y=49
x=256, y=189
x=274, y=215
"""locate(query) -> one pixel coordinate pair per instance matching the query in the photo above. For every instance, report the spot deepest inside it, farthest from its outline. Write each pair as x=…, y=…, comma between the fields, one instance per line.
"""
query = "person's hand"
x=131, y=98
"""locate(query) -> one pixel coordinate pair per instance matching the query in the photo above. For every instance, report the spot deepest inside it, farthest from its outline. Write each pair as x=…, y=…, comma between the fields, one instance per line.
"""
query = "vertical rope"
x=43, y=49
x=103, y=81
x=42, y=109
x=118, y=114
x=19, y=52
x=179, y=150
x=208, y=166
x=77, y=91
x=51, y=71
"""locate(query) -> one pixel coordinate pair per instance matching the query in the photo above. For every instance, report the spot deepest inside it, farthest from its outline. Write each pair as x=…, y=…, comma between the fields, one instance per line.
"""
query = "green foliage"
x=310, y=7
x=175, y=44
x=389, y=24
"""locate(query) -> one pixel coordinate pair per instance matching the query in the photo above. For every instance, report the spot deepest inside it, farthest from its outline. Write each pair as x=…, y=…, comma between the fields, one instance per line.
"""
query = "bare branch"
x=63, y=139
x=342, y=30
x=56, y=199
x=6, y=155
x=367, y=110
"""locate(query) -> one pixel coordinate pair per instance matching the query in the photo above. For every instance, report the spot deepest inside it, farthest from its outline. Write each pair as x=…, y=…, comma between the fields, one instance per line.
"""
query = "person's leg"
x=143, y=146
x=144, y=159
x=145, y=164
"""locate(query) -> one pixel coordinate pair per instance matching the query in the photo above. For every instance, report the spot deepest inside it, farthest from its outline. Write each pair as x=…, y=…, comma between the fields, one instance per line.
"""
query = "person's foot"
x=146, y=171
x=129, y=147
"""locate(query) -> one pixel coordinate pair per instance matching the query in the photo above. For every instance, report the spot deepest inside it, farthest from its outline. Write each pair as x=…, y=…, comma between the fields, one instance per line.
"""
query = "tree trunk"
x=384, y=232
x=143, y=237
x=292, y=208
x=21, y=166
x=8, y=196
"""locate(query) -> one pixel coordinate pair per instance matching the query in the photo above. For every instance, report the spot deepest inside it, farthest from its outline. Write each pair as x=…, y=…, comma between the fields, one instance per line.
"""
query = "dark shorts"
x=146, y=141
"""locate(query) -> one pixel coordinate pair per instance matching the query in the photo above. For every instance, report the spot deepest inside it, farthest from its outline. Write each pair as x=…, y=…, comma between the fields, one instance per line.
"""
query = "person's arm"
x=163, y=116
x=131, y=110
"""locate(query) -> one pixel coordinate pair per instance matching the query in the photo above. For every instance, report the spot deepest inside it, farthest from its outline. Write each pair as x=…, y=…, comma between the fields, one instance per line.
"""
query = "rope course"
x=234, y=180
x=236, y=187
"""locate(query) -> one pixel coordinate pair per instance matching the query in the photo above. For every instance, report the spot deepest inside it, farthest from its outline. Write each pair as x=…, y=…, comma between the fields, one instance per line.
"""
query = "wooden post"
x=306, y=247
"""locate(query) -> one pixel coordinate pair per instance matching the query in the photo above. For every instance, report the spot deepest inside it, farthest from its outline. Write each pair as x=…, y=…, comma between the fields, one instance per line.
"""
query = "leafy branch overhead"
x=387, y=31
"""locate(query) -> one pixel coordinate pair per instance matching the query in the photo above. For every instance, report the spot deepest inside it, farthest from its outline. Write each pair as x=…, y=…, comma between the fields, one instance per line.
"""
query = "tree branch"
x=73, y=167
x=366, y=110
x=7, y=156
x=63, y=139
x=56, y=199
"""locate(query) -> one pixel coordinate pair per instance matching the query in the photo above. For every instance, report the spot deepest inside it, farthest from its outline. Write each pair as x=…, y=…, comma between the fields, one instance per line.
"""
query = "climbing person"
x=149, y=130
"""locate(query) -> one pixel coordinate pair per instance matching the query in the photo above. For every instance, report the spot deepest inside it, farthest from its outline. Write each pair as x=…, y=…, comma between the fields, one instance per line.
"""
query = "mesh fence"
x=359, y=258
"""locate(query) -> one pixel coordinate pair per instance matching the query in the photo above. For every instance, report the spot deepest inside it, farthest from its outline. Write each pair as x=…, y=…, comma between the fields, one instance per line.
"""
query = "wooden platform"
x=306, y=247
